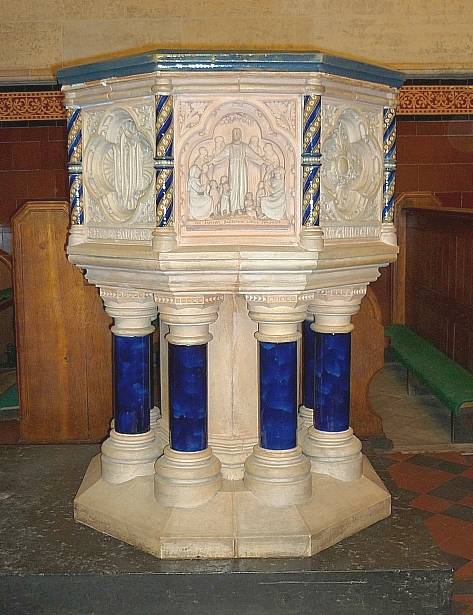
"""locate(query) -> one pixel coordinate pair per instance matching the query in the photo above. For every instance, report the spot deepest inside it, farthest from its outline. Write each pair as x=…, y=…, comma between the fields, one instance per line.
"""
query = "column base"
x=77, y=235
x=336, y=454
x=388, y=233
x=164, y=240
x=279, y=478
x=186, y=480
x=312, y=239
x=154, y=416
x=127, y=456
x=305, y=419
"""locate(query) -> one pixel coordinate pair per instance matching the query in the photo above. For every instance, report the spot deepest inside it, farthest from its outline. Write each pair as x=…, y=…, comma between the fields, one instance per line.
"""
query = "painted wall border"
x=413, y=100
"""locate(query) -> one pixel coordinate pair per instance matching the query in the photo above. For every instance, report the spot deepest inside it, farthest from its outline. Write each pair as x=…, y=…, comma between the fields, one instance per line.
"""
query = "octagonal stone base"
x=234, y=523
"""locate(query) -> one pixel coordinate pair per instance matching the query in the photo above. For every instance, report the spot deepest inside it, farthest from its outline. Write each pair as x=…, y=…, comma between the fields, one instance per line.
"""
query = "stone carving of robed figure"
x=237, y=153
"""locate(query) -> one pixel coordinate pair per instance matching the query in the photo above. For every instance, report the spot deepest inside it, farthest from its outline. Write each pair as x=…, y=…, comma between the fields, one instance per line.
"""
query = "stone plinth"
x=235, y=523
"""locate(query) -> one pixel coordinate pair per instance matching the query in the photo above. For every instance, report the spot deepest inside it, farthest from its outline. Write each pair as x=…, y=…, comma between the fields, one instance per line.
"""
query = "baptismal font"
x=246, y=200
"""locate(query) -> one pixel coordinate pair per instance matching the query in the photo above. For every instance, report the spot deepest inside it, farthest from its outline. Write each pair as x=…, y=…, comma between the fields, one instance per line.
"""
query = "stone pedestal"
x=247, y=198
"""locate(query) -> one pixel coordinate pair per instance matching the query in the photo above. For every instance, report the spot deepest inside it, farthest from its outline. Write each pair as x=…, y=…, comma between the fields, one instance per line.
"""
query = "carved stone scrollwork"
x=119, y=168
x=351, y=178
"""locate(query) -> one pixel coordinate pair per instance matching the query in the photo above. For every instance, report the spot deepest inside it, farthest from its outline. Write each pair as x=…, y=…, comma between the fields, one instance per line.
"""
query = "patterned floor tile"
x=467, y=500
x=419, y=479
x=460, y=512
x=451, y=491
x=465, y=571
x=430, y=503
x=436, y=462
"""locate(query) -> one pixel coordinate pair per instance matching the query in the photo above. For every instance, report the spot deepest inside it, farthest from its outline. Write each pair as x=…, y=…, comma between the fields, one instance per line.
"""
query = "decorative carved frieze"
x=188, y=299
x=125, y=294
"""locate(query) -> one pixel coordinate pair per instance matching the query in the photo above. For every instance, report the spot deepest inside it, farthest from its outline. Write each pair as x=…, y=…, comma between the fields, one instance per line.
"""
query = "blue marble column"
x=278, y=395
x=187, y=369
x=277, y=471
x=132, y=383
x=329, y=443
x=132, y=449
x=332, y=381
x=188, y=473
x=308, y=364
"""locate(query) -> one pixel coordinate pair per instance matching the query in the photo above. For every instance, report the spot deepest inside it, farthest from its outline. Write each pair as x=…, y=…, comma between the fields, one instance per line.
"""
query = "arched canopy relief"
x=237, y=167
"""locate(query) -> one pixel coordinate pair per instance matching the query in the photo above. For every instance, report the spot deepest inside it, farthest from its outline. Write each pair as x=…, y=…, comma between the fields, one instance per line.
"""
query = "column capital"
x=132, y=310
x=334, y=307
x=188, y=316
x=278, y=316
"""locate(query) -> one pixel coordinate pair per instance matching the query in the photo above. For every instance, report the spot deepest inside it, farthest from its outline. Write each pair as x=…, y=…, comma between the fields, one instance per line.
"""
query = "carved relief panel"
x=237, y=166
x=119, y=192
x=352, y=170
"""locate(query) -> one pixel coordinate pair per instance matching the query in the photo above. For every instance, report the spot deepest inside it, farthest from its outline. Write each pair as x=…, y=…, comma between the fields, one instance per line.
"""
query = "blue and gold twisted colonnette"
x=311, y=161
x=389, y=147
x=164, y=160
x=74, y=164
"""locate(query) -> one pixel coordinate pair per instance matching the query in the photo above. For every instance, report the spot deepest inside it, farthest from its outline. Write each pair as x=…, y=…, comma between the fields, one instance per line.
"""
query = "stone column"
x=388, y=231
x=188, y=473
x=132, y=449
x=306, y=410
x=164, y=236
x=277, y=471
x=74, y=168
x=330, y=444
x=311, y=233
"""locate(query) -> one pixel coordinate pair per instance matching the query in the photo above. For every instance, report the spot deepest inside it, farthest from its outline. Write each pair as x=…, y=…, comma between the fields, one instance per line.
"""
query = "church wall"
x=39, y=37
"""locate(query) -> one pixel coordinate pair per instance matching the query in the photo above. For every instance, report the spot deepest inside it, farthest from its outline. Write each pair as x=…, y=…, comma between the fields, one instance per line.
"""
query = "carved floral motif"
x=351, y=177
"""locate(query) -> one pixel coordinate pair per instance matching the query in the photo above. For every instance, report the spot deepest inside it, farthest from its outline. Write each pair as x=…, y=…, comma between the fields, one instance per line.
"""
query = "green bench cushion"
x=6, y=293
x=450, y=382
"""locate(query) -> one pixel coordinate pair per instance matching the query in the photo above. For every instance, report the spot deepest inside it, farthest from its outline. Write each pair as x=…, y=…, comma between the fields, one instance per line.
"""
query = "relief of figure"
x=273, y=205
x=200, y=203
x=237, y=154
x=271, y=159
x=250, y=205
x=224, y=190
x=255, y=171
x=214, y=194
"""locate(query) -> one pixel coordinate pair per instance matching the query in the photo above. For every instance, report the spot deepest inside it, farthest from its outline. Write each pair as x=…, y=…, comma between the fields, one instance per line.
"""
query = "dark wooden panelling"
x=367, y=360
x=435, y=287
x=63, y=336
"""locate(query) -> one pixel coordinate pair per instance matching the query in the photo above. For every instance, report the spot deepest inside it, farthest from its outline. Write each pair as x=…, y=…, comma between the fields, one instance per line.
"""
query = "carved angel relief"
x=237, y=166
x=119, y=168
x=351, y=177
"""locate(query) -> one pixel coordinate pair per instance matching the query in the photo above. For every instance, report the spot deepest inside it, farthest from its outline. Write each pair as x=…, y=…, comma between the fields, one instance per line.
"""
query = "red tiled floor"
x=400, y=456
x=417, y=478
x=466, y=460
x=453, y=534
x=464, y=598
x=458, y=545
x=443, y=528
x=465, y=572
x=467, y=500
x=430, y=503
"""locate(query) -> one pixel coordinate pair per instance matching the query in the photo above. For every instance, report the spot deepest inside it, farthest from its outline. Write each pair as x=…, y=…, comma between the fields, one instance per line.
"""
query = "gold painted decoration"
x=435, y=100
x=31, y=106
